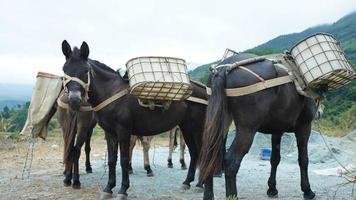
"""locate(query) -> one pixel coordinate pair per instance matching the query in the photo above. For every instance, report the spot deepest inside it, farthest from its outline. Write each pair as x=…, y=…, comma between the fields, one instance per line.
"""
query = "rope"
x=333, y=155
x=110, y=100
x=29, y=157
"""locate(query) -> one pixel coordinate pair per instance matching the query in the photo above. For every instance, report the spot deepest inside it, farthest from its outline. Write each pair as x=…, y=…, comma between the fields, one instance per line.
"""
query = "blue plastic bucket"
x=265, y=154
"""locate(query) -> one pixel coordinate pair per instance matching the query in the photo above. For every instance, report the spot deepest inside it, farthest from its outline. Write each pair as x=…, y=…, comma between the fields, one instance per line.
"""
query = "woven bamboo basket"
x=159, y=78
x=322, y=62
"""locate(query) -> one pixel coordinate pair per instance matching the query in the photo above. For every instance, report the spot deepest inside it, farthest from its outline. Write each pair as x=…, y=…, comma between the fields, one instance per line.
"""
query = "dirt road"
x=45, y=181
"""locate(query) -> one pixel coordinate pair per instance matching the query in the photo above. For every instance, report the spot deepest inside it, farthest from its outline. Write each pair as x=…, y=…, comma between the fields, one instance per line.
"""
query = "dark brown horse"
x=274, y=111
x=77, y=128
x=125, y=116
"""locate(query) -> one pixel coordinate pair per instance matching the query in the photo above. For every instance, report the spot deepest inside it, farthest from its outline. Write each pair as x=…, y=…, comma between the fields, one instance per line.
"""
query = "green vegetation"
x=13, y=119
x=340, y=106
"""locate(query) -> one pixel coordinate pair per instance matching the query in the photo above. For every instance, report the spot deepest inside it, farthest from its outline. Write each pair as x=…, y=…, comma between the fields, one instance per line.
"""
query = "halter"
x=67, y=79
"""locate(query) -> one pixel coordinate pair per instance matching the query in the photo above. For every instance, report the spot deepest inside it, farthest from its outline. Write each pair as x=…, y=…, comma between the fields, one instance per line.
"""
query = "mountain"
x=340, y=105
x=344, y=30
x=12, y=95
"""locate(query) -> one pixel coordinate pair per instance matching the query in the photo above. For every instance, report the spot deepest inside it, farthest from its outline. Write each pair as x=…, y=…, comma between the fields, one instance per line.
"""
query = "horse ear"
x=84, y=50
x=66, y=49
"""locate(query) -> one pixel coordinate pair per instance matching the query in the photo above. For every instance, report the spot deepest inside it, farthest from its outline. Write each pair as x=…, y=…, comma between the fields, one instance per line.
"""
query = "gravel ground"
x=45, y=181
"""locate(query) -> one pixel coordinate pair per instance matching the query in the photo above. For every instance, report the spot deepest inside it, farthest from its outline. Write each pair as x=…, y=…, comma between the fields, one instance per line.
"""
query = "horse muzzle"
x=75, y=100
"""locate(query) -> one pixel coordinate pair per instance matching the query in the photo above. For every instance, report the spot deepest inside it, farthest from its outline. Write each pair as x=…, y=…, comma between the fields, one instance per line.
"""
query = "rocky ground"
x=45, y=180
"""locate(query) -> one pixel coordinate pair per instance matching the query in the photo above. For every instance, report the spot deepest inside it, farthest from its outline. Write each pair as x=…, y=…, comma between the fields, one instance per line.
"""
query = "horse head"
x=76, y=74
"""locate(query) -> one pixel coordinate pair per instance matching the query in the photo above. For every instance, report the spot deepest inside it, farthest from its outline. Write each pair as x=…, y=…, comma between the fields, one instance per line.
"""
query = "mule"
x=272, y=111
x=173, y=134
x=124, y=116
x=77, y=128
x=146, y=144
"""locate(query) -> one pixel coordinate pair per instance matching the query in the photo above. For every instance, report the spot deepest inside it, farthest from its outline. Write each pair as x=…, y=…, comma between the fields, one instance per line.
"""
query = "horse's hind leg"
x=232, y=160
x=182, y=150
x=302, y=134
x=171, y=138
x=275, y=159
x=132, y=146
x=188, y=134
x=208, y=189
x=88, y=168
x=146, y=141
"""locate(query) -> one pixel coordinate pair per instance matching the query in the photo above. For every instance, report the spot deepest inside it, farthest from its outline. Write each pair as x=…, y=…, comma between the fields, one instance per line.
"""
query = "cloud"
x=116, y=30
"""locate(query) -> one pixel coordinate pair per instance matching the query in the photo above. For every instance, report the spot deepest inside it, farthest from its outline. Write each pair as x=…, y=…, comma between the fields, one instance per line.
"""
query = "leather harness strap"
x=197, y=100
x=66, y=106
x=252, y=72
x=111, y=99
x=234, y=92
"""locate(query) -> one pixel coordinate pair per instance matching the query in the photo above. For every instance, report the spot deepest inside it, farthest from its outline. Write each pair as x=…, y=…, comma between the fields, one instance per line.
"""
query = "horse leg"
x=193, y=151
x=88, y=168
x=124, y=162
x=81, y=137
x=208, y=189
x=145, y=141
x=132, y=146
x=275, y=159
x=302, y=134
x=232, y=159
x=112, y=145
x=171, y=138
x=182, y=149
x=68, y=166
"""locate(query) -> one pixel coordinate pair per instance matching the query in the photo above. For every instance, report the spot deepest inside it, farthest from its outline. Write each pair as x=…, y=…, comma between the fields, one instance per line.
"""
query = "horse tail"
x=216, y=124
x=70, y=130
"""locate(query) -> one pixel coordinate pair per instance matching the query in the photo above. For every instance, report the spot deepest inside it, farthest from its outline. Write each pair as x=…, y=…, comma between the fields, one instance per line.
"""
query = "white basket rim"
x=135, y=58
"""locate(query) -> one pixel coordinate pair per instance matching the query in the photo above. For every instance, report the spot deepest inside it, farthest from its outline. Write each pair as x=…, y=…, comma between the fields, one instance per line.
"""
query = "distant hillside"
x=340, y=105
x=12, y=95
x=344, y=30
x=11, y=103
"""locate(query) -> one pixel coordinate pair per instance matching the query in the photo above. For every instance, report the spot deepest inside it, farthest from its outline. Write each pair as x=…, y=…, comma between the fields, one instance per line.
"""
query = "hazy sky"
x=198, y=31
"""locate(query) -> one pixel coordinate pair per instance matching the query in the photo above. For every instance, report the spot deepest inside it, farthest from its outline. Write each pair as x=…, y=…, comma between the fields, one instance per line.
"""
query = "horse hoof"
x=76, y=185
x=185, y=187
x=309, y=195
x=199, y=189
x=121, y=197
x=105, y=195
x=272, y=193
x=170, y=165
x=184, y=167
x=130, y=171
x=67, y=183
x=89, y=171
x=150, y=174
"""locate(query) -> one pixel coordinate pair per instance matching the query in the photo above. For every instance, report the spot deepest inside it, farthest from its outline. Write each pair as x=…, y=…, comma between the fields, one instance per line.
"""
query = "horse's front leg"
x=88, y=168
x=275, y=159
x=124, y=162
x=112, y=145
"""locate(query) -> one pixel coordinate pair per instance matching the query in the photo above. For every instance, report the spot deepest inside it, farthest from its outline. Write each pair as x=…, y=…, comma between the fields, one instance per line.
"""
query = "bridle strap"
x=67, y=79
